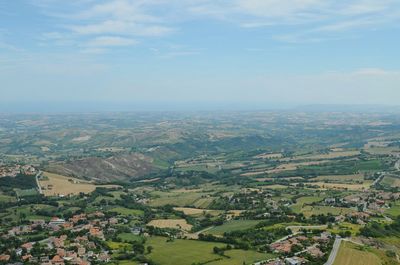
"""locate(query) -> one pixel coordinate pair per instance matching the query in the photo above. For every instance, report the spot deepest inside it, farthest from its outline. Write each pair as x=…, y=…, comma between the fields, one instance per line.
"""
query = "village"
x=73, y=241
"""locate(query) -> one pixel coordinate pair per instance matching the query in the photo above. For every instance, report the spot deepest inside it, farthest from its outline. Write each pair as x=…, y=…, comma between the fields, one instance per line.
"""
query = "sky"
x=182, y=51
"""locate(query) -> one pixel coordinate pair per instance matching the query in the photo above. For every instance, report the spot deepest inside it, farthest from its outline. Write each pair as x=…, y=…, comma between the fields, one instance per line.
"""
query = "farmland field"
x=55, y=184
x=390, y=181
x=186, y=252
x=181, y=199
x=171, y=223
x=126, y=211
x=349, y=254
x=342, y=186
x=316, y=210
x=196, y=211
x=341, y=178
x=232, y=226
x=297, y=207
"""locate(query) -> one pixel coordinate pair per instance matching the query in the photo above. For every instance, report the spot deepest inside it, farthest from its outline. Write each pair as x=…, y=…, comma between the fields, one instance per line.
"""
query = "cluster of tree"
x=375, y=229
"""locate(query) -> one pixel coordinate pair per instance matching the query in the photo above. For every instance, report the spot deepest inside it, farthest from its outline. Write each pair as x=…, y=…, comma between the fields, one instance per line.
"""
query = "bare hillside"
x=119, y=167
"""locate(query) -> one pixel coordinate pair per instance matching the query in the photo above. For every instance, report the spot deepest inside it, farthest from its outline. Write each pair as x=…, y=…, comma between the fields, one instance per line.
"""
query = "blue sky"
x=281, y=51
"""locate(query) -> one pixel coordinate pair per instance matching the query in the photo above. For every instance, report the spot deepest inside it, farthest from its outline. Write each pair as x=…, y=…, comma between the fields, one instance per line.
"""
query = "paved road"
x=334, y=252
x=378, y=179
x=37, y=181
x=299, y=227
x=196, y=235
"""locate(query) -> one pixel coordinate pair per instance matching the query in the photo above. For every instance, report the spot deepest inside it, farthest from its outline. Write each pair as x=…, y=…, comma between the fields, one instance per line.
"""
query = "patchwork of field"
x=332, y=155
x=351, y=254
x=186, y=252
x=232, y=226
x=171, y=223
x=269, y=156
x=285, y=167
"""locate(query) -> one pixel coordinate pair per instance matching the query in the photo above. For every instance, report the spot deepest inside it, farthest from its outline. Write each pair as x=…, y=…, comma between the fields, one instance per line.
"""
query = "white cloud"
x=310, y=20
x=121, y=27
x=108, y=41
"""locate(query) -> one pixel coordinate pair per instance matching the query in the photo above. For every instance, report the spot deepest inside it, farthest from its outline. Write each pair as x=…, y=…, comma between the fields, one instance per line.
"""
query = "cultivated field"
x=181, y=199
x=171, y=223
x=341, y=178
x=196, y=211
x=343, y=186
x=56, y=185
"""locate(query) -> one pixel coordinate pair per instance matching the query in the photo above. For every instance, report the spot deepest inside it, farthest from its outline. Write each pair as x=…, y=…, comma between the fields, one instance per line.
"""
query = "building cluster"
x=74, y=241
x=15, y=170
x=295, y=248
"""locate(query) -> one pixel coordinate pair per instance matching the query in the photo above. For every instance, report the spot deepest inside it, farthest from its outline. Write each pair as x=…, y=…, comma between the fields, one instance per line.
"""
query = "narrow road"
x=196, y=235
x=397, y=165
x=299, y=227
x=37, y=182
x=334, y=252
x=285, y=238
x=378, y=179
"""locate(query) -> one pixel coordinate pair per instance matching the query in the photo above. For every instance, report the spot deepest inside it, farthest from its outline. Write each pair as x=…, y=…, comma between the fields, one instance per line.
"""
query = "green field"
x=203, y=202
x=6, y=198
x=186, y=252
x=16, y=213
x=297, y=207
x=25, y=193
x=390, y=181
x=394, y=211
x=232, y=226
x=126, y=211
x=129, y=237
x=316, y=210
x=176, y=198
x=342, y=227
x=350, y=254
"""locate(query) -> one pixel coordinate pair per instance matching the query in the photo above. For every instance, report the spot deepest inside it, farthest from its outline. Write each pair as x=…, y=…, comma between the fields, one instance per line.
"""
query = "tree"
x=149, y=249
